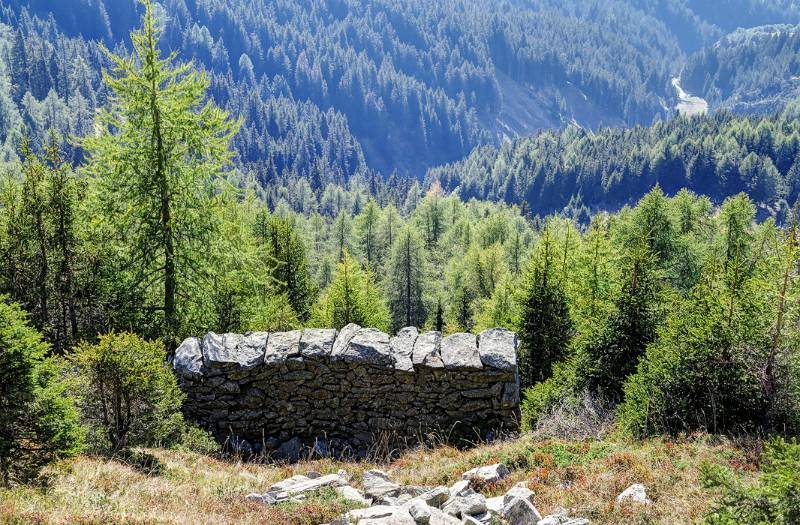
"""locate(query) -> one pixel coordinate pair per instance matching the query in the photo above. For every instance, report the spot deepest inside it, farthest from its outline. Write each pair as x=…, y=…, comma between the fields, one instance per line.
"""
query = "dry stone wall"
x=344, y=392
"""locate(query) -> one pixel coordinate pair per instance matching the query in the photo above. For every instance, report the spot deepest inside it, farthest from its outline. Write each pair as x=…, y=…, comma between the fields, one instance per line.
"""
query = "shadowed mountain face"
x=333, y=88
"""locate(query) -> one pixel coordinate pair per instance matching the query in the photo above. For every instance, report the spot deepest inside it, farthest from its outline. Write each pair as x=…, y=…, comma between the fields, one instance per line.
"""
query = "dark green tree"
x=405, y=280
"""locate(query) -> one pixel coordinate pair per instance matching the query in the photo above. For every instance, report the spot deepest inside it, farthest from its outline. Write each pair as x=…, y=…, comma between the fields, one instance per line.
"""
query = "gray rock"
x=521, y=491
x=306, y=487
x=343, y=338
x=289, y=450
x=436, y=497
x=478, y=519
x=317, y=342
x=427, y=350
x=487, y=474
x=378, y=511
x=498, y=348
x=223, y=350
x=495, y=505
x=636, y=493
x=460, y=351
x=251, y=349
x=439, y=517
x=369, y=345
x=188, y=359
x=468, y=505
x=290, y=482
x=461, y=488
x=352, y=494
x=402, y=346
x=420, y=511
x=378, y=486
x=255, y=498
x=519, y=511
x=282, y=346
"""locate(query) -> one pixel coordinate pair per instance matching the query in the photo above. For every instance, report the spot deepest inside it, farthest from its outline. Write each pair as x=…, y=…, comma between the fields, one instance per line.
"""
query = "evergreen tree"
x=159, y=148
x=367, y=227
x=288, y=266
x=545, y=327
x=351, y=297
x=405, y=280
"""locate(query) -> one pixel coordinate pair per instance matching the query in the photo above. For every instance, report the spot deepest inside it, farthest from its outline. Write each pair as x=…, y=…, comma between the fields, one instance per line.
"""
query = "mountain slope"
x=753, y=70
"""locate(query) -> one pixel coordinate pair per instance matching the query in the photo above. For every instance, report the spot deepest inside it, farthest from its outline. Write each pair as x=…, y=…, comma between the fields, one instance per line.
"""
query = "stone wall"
x=342, y=393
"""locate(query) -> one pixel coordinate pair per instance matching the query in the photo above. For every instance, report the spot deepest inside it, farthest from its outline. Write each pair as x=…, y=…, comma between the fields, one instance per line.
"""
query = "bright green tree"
x=286, y=258
x=351, y=297
x=158, y=149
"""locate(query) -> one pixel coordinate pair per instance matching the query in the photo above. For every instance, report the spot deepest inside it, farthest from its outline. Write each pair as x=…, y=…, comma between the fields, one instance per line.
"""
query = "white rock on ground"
x=562, y=519
x=353, y=494
x=461, y=488
x=468, y=505
x=378, y=486
x=636, y=493
x=521, y=491
x=436, y=497
x=487, y=474
x=297, y=487
x=520, y=511
x=495, y=505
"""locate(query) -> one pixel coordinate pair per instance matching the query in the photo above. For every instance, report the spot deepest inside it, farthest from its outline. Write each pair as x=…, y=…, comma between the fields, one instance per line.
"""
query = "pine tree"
x=159, y=149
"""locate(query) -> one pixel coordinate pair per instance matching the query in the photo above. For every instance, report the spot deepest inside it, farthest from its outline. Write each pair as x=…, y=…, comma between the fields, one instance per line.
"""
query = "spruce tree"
x=545, y=327
x=159, y=148
x=405, y=280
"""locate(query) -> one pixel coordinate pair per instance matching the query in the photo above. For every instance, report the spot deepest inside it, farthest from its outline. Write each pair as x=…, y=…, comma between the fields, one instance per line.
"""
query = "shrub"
x=774, y=499
x=129, y=395
x=38, y=421
x=693, y=376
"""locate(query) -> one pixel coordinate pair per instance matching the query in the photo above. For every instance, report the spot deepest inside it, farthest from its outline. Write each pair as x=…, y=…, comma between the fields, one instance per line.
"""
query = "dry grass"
x=582, y=476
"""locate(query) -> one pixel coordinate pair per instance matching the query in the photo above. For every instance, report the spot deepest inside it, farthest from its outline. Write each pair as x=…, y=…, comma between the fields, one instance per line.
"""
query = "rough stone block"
x=460, y=351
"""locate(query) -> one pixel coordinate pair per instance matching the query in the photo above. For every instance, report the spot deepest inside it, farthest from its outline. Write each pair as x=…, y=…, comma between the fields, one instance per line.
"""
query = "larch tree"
x=158, y=150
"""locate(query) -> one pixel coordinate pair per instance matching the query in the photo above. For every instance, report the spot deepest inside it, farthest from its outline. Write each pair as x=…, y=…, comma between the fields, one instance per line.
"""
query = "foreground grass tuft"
x=583, y=477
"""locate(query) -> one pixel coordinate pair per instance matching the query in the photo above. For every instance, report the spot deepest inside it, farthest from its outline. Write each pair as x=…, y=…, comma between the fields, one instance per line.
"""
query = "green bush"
x=774, y=499
x=38, y=421
x=129, y=395
x=692, y=377
x=540, y=399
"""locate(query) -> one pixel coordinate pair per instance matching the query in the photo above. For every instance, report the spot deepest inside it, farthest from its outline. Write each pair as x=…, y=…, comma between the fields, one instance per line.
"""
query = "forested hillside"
x=576, y=169
x=749, y=71
x=332, y=89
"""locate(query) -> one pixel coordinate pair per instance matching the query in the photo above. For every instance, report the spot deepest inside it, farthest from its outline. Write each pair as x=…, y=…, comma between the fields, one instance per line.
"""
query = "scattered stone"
x=519, y=511
x=436, y=497
x=255, y=497
x=296, y=488
x=495, y=505
x=468, y=505
x=420, y=511
x=636, y=493
x=378, y=486
x=521, y=491
x=487, y=474
x=461, y=488
x=379, y=511
x=350, y=493
x=460, y=351
x=313, y=474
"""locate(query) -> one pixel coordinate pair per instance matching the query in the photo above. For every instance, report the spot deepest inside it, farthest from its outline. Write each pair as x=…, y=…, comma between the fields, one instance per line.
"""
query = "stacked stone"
x=341, y=393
